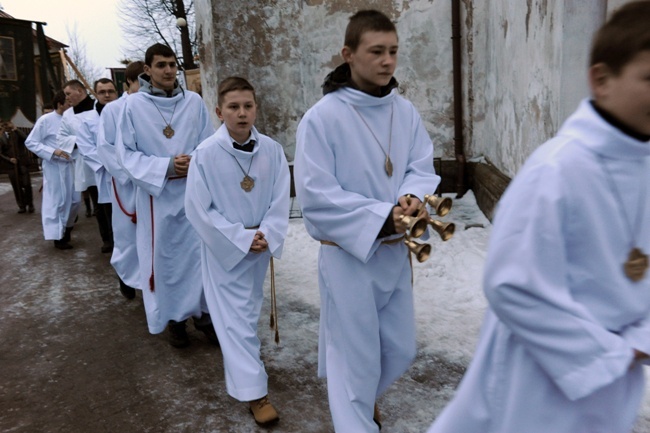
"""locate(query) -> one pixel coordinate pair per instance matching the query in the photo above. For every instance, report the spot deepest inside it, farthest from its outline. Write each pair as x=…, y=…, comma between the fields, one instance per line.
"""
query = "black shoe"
x=178, y=334
x=88, y=213
x=67, y=236
x=107, y=247
x=62, y=245
x=127, y=291
x=22, y=210
x=30, y=208
x=209, y=332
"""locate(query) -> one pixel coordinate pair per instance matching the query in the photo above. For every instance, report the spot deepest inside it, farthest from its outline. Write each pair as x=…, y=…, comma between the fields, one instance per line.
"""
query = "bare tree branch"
x=77, y=53
x=145, y=22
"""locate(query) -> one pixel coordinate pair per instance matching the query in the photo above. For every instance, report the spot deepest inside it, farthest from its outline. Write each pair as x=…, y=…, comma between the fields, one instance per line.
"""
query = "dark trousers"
x=104, y=215
x=91, y=194
x=21, y=182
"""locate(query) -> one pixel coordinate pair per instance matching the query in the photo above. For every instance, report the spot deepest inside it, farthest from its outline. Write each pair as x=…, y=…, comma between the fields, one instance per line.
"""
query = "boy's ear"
x=146, y=69
x=346, y=53
x=599, y=75
x=219, y=114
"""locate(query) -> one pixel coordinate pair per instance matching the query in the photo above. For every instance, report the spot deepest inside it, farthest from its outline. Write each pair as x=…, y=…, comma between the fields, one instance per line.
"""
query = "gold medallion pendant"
x=168, y=131
x=389, y=166
x=636, y=265
x=247, y=184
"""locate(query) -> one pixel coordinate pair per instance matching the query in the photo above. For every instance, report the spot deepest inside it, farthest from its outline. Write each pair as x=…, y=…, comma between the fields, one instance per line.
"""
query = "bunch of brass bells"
x=417, y=225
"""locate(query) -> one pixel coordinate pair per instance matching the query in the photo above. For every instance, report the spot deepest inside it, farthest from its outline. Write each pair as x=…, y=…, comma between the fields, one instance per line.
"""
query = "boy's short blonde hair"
x=231, y=84
x=623, y=36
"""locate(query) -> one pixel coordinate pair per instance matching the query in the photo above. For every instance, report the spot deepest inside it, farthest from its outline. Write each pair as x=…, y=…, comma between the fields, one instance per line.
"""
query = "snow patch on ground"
x=449, y=299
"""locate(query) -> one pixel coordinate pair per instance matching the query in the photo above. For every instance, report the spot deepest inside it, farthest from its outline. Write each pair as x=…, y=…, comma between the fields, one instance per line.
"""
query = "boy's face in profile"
x=74, y=95
x=625, y=96
x=373, y=63
x=238, y=111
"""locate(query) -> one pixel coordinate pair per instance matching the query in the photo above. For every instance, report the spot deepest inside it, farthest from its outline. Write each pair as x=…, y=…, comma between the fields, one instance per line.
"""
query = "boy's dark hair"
x=622, y=37
x=157, y=50
x=103, y=81
x=366, y=21
x=231, y=84
x=74, y=84
x=132, y=71
x=59, y=99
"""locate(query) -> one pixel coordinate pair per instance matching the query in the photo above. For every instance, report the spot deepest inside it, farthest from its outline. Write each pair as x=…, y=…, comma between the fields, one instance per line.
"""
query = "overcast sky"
x=97, y=24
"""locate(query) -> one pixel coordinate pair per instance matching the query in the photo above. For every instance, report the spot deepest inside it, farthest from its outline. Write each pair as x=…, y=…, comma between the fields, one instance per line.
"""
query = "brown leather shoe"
x=263, y=411
x=376, y=416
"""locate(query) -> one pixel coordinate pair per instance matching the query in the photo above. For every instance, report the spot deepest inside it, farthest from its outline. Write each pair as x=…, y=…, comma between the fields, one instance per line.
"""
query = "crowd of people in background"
x=194, y=218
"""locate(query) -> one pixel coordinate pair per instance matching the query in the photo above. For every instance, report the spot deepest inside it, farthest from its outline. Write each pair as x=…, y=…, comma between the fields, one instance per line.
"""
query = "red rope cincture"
x=133, y=216
x=151, y=278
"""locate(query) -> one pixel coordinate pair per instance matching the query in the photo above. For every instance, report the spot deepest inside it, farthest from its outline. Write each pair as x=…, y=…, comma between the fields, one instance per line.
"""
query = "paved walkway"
x=77, y=357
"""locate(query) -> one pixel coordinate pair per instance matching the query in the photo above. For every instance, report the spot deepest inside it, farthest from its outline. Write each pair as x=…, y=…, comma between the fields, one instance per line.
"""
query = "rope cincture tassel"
x=274, y=307
x=411, y=266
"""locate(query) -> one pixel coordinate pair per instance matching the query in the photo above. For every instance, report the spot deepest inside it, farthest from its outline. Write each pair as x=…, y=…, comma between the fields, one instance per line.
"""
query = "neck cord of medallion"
x=168, y=131
x=637, y=261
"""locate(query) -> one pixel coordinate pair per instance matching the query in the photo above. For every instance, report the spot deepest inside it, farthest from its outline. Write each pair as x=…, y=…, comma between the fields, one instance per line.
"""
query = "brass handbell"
x=421, y=251
x=442, y=205
x=445, y=230
x=416, y=225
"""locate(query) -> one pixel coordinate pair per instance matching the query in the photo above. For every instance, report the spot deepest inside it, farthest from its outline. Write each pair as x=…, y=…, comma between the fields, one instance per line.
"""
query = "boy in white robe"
x=87, y=144
x=363, y=160
x=568, y=324
x=160, y=127
x=58, y=170
x=237, y=199
x=66, y=140
x=125, y=254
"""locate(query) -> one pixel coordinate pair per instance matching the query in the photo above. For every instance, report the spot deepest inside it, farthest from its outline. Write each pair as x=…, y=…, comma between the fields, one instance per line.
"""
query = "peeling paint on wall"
x=286, y=48
x=520, y=64
x=526, y=80
x=334, y=7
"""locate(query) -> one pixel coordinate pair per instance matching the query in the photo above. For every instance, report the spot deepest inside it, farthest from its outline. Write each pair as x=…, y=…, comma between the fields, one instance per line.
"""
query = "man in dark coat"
x=15, y=156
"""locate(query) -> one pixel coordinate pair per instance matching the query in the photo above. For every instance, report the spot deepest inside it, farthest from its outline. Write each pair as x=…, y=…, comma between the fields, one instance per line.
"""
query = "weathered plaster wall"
x=206, y=38
x=259, y=40
x=287, y=47
x=524, y=63
x=528, y=63
x=613, y=4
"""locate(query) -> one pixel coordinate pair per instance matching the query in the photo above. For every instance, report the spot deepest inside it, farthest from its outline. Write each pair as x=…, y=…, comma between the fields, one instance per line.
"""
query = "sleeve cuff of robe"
x=170, y=168
x=600, y=372
x=365, y=245
x=388, y=228
x=49, y=152
x=275, y=241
